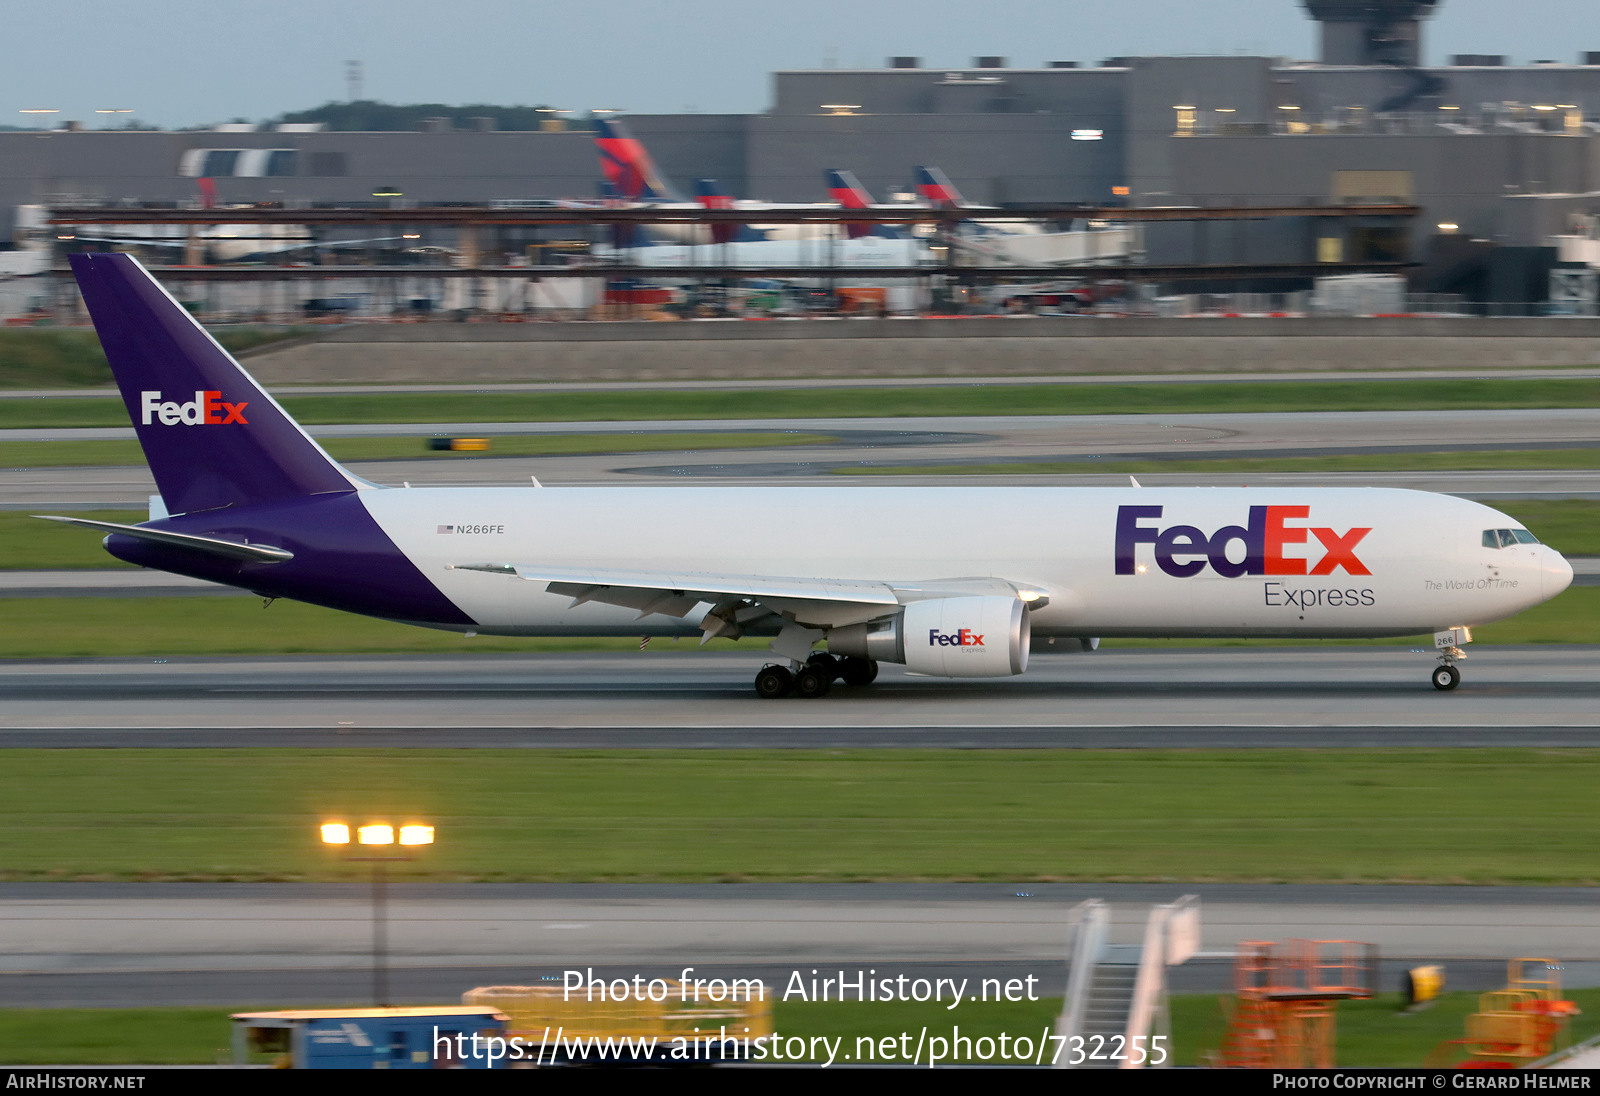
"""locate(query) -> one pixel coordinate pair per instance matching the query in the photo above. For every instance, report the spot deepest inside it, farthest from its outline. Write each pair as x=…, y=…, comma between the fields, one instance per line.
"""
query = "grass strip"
x=1489, y=816
x=158, y=627
x=56, y=358
x=1570, y=526
x=1370, y=1034
x=26, y=543
x=975, y=399
x=115, y=1036
x=1494, y=460
x=45, y=454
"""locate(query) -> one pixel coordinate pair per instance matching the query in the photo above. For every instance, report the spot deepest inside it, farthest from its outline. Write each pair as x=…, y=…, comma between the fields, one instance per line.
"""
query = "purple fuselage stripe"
x=342, y=559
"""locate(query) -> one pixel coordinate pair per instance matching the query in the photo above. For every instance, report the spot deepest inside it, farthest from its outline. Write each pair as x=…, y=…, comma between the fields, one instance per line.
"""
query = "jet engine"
x=945, y=637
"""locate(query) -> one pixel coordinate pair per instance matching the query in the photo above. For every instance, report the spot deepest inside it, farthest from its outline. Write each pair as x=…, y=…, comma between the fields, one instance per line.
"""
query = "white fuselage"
x=1336, y=561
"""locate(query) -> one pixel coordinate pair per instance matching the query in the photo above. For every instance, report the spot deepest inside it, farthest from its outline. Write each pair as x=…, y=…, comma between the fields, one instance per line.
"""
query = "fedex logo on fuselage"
x=206, y=409
x=964, y=638
x=1184, y=550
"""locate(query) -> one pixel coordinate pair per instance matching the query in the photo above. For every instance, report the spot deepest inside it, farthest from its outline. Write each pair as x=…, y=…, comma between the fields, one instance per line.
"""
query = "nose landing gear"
x=1448, y=644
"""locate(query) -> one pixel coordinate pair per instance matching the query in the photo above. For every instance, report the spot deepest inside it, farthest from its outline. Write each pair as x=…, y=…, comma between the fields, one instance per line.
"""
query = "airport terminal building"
x=1504, y=154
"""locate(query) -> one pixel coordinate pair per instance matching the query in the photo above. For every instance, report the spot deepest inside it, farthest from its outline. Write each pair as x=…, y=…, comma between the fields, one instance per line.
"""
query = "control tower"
x=1371, y=32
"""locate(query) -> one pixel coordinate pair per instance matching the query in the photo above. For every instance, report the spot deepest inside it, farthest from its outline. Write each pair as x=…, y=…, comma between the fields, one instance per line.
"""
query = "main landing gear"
x=814, y=677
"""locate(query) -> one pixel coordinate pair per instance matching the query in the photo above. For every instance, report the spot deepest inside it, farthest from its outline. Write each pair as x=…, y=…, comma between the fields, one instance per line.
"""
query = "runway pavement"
x=120, y=943
x=1117, y=698
x=930, y=443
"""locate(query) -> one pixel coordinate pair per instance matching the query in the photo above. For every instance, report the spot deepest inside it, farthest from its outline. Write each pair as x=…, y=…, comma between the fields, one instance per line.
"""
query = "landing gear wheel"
x=812, y=682
x=829, y=666
x=773, y=682
x=1446, y=678
x=857, y=671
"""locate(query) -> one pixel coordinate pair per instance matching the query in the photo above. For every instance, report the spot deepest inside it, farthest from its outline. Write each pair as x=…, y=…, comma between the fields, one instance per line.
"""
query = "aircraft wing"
x=812, y=602
x=740, y=599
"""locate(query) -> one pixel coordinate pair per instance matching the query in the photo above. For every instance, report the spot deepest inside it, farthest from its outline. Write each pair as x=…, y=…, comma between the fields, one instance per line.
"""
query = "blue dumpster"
x=429, y=1037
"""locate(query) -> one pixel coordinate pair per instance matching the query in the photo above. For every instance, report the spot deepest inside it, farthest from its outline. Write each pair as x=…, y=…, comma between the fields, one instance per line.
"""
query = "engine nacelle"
x=945, y=637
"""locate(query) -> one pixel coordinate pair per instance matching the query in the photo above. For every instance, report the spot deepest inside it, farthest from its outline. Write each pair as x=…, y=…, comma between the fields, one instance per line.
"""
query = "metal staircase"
x=1116, y=993
x=1110, y=1000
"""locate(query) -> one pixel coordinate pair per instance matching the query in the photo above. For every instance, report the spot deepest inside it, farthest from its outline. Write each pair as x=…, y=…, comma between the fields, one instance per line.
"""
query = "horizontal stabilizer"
x=228, y=549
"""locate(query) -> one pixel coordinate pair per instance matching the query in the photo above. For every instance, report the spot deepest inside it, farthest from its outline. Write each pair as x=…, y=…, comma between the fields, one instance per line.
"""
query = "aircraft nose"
x=1557, y=573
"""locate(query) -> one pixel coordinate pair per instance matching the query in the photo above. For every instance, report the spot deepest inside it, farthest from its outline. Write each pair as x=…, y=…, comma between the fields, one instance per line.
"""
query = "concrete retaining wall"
x=488, y=353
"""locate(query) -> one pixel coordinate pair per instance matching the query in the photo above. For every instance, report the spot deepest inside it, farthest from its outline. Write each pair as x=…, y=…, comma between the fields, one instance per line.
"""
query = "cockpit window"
x=1504, y=538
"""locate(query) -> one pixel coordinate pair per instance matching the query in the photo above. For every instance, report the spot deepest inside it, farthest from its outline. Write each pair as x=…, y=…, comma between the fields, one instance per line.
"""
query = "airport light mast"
x=371, y=845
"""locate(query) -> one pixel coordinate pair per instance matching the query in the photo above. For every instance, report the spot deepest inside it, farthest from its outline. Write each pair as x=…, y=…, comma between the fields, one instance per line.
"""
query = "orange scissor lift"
x=1515, y=1025
x=1285, y=994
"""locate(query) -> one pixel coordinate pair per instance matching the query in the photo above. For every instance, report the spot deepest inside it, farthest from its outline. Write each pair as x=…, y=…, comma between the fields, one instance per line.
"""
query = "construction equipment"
x=704, y=1022
x=1282, y=1012
x=1514, y=1025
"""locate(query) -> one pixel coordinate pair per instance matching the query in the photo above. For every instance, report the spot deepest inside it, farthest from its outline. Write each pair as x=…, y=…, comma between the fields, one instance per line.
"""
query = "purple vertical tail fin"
x=212, y=435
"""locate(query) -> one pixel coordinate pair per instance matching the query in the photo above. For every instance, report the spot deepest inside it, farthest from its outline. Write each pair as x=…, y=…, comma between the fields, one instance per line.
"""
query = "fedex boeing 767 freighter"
x=948, y=581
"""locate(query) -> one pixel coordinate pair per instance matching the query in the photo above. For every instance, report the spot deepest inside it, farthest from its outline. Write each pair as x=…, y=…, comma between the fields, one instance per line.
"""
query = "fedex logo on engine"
x=206, y=409
x=963, y=638
x=1184, y=550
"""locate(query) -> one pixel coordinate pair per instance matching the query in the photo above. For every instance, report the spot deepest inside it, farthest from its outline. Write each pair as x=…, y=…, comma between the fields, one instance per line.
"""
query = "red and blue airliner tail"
x=937, y=189
x=846, y=189
x=713, y=195
x=628, y=167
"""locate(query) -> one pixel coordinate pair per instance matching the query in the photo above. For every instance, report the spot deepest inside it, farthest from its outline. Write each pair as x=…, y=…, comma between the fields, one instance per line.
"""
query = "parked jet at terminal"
x=866, y=252
x=628, y=168
x=948, y=581
x=632, y=177
x=846, y=189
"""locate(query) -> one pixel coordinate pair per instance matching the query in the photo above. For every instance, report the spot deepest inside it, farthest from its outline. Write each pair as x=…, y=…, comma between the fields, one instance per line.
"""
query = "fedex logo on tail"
x=206, y=409
x=1268, y=539
x=964, y=638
